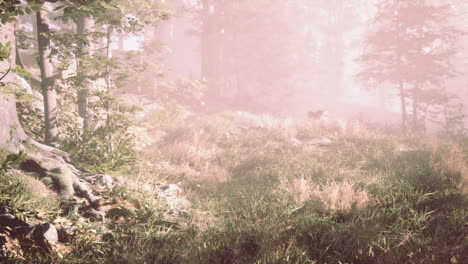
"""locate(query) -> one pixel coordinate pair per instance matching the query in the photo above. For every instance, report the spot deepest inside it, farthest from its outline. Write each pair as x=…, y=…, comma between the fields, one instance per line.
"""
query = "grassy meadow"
x=269, y=190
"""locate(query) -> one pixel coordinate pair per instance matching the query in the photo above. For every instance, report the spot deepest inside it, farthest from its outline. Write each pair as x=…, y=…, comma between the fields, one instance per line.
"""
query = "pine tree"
x=410, y=45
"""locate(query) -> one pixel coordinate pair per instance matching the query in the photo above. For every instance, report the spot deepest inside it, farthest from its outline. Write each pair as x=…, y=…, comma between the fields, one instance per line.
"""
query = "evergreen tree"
x=410, y=45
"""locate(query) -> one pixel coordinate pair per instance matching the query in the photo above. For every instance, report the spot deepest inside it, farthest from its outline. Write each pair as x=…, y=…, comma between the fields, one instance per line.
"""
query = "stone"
x=7, y=219
x=321, y=141
x=181, y=213
x=171, y=190
x=104, y=181
x=294, y=141
x=44, y=232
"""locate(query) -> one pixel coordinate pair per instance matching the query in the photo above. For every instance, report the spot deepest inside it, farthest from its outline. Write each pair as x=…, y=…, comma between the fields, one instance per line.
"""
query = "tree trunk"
x=11, y=132
x=403, y=106
x=400, y=81
x=110, y=30
x=415, y=107
x=207, y=43
x=83, y=82
x=47, y=85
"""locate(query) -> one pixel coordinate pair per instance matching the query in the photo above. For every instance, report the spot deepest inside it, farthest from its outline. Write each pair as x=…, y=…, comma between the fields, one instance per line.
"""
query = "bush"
x=108, y=145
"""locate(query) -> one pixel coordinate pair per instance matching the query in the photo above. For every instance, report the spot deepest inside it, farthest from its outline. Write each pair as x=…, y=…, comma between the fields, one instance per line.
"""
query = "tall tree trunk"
x=121, y=43
x=110, y=30
x=34, y=27
x=47, y=85
x=404, y=115
x=11, y=132
x=83, y=85
x=416, y=107
x=207, y=42
x=213, y=48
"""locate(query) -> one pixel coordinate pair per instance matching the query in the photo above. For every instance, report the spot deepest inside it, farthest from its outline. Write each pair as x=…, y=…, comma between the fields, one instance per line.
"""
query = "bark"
x=18, y=59
x=400, y=80
x=11, y=132
x=214, y=49
x=47, y=81
x=82, y=25
x=110, y=31
x=403, y=106
x=415, y=107
x=207, y=42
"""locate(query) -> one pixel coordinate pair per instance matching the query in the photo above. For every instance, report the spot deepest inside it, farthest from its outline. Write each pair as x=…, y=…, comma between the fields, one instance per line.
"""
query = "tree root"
x=52, y=167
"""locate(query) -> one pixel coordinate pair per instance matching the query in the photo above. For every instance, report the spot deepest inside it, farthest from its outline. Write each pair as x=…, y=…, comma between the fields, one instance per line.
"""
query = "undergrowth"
x=366, y=197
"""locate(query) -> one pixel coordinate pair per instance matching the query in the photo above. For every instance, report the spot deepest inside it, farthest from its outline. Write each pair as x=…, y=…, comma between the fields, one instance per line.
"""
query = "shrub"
x=108, y=145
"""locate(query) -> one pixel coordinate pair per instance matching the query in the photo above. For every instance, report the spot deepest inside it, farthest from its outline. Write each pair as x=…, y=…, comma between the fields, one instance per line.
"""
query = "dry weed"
x=196, y=155
x=448, y=160
x=334, y=196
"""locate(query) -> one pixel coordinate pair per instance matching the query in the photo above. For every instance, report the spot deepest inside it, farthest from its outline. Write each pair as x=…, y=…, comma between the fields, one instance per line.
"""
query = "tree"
x=11, y=132
x=83, y=83
x=45, y=162
x=249, y=52
x=47, y=81
x=410, y=46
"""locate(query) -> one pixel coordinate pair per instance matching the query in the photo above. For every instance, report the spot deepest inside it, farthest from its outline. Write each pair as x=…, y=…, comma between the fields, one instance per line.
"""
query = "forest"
x=242, y=131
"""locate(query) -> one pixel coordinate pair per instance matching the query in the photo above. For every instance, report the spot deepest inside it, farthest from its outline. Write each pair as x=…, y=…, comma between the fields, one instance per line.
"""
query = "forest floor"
x=257, y=189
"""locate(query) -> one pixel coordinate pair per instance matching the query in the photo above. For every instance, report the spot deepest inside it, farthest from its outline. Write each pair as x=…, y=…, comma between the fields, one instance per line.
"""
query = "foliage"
x=106, y=146
x=5, y=51
x=406, y=52
x=10, y=9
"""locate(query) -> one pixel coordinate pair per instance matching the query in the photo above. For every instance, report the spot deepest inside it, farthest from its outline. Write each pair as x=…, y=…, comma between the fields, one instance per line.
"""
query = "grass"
x=368, y=197
x=21, y=193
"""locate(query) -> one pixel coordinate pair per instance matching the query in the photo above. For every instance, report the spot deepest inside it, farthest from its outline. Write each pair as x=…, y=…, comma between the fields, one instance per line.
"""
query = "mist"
x=242, y=131
x=289, y=57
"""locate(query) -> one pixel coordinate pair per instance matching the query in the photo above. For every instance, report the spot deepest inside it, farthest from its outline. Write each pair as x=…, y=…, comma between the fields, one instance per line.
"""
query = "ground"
x=257, y=189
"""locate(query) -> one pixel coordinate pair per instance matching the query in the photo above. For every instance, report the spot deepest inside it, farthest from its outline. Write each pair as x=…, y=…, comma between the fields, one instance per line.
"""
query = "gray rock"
x=321, y=141
x=171, y=190
x=104, y=181
x=176, y=212
x=295, y=142
x=7, y=219
x=45, y=232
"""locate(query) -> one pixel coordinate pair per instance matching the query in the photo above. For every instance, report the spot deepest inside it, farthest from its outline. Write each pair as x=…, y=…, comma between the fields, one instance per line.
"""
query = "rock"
x=179, y=213
x=295, y=142
x=321, y=141
x=402, y=148
x=228, y=135
x=171, y=190
x=11, y=221
x=44, y=232
x=7, y=219
x=175, y=202
x=104, y=181
x=171, y=193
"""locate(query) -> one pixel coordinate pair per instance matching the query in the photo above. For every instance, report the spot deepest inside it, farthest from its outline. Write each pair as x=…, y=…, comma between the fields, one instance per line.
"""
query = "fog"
x=242, y=131
x=382, y=61
x=290, y=57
